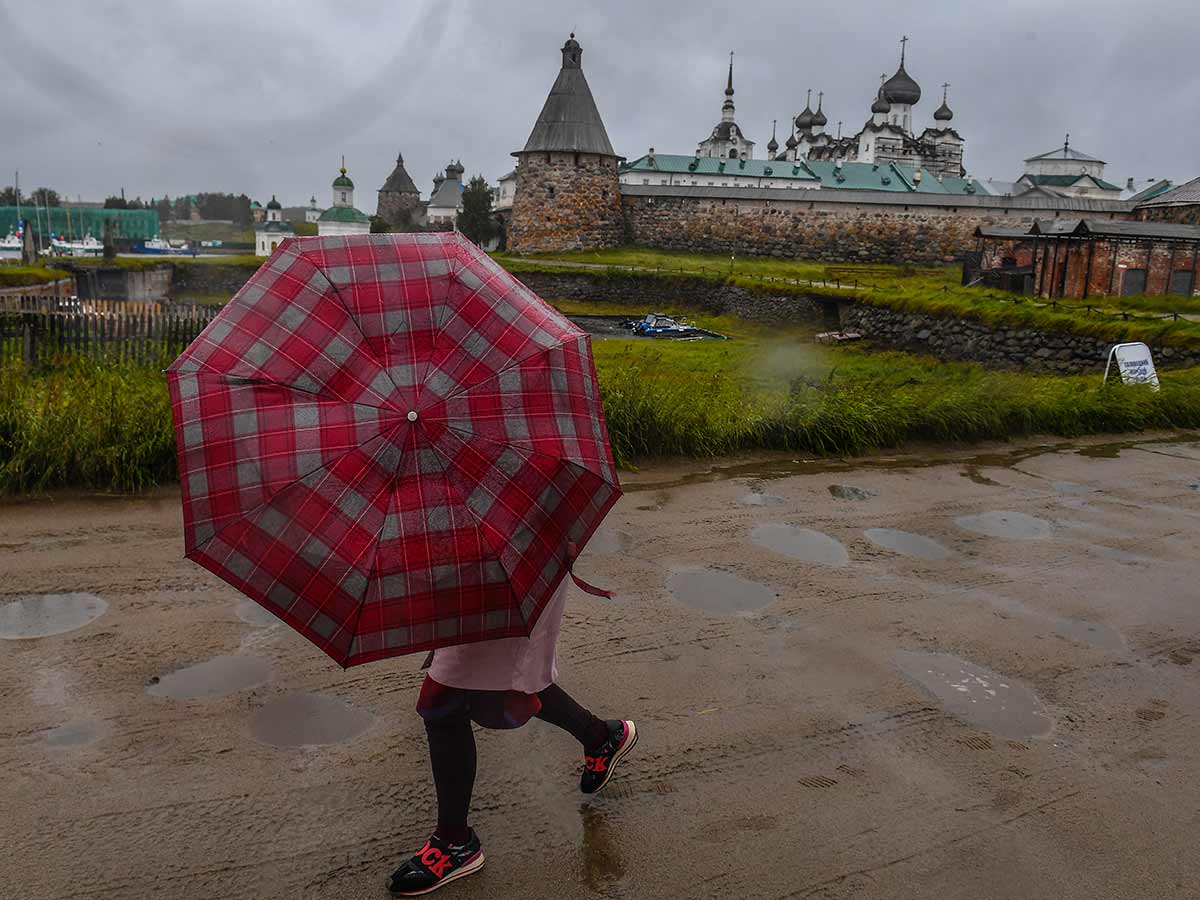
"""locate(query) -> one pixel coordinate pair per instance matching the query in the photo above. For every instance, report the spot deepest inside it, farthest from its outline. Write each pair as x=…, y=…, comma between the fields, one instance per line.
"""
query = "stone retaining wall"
x=995, y=346
x=116, y=283
x=656, y=292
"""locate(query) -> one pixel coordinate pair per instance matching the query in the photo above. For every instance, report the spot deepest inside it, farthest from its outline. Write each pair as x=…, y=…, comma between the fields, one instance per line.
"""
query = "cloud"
x=179, y=98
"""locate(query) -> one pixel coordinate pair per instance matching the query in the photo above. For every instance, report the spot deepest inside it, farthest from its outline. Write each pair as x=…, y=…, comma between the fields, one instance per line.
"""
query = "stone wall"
x=1183, y=214
x=399, y=209
x=116, y=283
x=995, y=346
x=808, y=228
x=566, y=201
x=210, y=279
x=658, y=292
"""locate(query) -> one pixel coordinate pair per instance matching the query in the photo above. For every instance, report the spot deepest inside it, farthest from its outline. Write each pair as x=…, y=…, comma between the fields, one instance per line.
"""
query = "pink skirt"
x=495, y=683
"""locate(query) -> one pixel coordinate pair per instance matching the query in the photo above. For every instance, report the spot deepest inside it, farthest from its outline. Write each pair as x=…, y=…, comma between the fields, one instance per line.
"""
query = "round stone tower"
x=568, y=195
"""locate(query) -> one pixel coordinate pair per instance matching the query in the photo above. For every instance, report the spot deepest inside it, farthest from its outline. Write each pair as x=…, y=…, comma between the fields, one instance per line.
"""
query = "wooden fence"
x=41, y=331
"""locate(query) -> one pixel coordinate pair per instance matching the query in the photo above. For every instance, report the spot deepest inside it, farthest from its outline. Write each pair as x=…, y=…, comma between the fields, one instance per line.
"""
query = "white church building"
x=272, y=231
x=342, y=217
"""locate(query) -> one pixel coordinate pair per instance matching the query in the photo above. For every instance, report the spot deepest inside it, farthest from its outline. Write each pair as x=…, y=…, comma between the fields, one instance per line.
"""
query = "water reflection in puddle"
x=906, y=543
x=607, y=541
x=598, y=854
x=303, y=720
x=760, y=500
x=850, y=492
x=1070, y=487
x=213, y=678
x=714, y=591
x=977, y=695
x=800, y=543
x=47, y=614
x=1005, y=524
x=73, y=734
x=253, y=614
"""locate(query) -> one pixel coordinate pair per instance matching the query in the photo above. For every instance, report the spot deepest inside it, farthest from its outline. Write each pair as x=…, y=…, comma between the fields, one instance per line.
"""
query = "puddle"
x=1093, y=633
x=1104, y=451
x=598, y=854
x=800, y=543
x=977, y=695
x=1195, y=487
x=906, y=543
x=73, y=734
x=253, y=614
x=850, y=492
x=1005, y=524
x=1070, y=487
x=714, y=591
x=783, y=467
x=978, y=477
x=761, y=500
x=607, y=541
x=303, y=720
x=47, y=614
x=213, y=678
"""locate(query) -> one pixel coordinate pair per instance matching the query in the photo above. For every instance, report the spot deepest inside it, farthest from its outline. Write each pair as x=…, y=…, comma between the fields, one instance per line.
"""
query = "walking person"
x=496, y=684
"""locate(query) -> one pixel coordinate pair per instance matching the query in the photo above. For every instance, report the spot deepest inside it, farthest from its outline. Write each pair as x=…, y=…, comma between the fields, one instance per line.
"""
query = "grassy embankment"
x=110, y=428
x=12, y=275
x=928, y=290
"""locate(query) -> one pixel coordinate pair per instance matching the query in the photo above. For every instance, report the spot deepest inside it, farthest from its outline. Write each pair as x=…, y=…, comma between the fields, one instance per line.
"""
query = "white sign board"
x=1135, y=364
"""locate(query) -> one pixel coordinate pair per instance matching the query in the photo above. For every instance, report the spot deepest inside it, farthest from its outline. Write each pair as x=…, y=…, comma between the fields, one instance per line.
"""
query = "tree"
x=380, y=225
x=475, y=220
x=8, y=197
x=165, y=211
x=115, y=203
x=45, y=196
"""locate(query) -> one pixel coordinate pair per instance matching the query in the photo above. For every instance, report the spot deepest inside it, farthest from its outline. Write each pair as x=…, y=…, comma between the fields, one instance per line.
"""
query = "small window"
x=733, y=154
x=343, y=195
x=1181, y=282
x=576, y=159
x=1134, y=282
x=645, y=181
x=550, y=191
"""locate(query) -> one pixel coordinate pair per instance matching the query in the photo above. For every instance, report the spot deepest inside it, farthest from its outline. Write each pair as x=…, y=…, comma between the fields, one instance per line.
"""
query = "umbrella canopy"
x=391, y=444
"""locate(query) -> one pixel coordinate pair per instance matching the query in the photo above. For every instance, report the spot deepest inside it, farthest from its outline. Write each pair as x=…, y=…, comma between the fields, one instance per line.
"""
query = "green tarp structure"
x=128, y=224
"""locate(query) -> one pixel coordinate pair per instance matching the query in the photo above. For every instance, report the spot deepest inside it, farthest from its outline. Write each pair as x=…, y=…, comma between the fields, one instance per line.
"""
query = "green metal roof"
x=343, y=214
x=850, y=176
x=1068, y=180
x=343, y=181
x=275, y=227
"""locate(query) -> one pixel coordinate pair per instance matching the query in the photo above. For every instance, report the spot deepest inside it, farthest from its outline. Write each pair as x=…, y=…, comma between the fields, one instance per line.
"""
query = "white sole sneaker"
x=630, y=740
x=470, y=868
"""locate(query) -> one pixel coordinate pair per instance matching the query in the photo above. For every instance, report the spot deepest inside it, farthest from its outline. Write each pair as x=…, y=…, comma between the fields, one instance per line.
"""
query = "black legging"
x=452, y=754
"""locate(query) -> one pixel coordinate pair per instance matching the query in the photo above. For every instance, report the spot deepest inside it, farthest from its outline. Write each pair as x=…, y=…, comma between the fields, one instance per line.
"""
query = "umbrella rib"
x=254, y=509
x=529, y=449
x=242, y=379
x=451, y=278
x=512, y=364
x=349, y=315
x=447, y=463
x=391, y=485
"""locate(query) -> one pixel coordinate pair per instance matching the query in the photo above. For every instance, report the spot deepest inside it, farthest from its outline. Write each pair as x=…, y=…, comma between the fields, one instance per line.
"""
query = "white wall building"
x=446, y=203
x=312, y=213
x=342, y=217
x=272, y=231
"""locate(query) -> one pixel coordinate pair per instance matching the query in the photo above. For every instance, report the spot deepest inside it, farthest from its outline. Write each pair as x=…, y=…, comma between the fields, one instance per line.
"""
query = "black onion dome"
x=805, y=119
x=881, y=104
x=274, y=204
x=819, y=118
x=943, y=113
x=792, y=142
x=900, y=88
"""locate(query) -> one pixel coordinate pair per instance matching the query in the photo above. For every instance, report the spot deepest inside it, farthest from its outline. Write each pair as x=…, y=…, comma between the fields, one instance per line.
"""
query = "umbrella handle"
x=572, y=554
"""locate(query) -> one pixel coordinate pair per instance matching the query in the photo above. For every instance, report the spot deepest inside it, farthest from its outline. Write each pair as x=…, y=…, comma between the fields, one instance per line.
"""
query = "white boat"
x=88, y=246
x=10, y=247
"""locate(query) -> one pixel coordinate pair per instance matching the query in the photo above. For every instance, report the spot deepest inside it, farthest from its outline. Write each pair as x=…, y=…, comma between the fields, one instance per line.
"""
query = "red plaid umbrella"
x=391, y=444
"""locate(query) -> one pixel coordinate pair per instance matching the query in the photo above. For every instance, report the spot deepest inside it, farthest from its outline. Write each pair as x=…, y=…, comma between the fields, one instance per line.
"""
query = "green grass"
x=109, y=426
x=207, y=231
x=85, y=425
x=933, y=290
x=28, y=276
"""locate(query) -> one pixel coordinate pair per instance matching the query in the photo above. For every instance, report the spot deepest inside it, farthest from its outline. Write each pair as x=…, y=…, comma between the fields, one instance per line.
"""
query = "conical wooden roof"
x=569, y=121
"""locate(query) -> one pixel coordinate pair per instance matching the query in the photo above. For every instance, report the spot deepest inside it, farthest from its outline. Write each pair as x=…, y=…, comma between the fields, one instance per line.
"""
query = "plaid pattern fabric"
x=389, y=442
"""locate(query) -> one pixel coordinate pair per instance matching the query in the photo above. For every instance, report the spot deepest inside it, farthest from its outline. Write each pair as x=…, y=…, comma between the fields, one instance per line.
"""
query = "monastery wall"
x=880, y=228
x=565, y=201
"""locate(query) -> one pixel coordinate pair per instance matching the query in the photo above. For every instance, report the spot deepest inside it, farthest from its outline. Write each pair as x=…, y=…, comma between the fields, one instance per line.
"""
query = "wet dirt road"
x=972, y=679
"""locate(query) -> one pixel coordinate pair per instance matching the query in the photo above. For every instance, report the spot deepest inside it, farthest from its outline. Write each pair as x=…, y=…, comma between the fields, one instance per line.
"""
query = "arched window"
x=274, y=244
x=733, y=153
x=550, y=191
x=343, y=196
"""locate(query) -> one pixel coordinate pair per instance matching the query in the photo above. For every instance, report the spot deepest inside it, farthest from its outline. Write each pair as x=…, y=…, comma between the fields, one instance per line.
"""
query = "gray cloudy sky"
x=183, y=97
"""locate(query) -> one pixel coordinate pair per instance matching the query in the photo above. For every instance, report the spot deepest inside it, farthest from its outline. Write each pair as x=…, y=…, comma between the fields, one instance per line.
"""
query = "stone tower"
x=399, y=200
x=568, y=196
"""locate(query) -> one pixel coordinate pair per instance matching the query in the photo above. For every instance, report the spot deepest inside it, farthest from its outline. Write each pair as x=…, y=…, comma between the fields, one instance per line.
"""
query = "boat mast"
x=17, y=188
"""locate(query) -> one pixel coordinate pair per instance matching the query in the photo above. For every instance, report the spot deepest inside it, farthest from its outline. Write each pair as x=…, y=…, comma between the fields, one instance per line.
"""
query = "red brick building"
x=1090, y=258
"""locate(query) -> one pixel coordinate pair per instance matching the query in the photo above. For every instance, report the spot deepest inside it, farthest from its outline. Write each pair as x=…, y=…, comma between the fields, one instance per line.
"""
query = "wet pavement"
x=974, y=676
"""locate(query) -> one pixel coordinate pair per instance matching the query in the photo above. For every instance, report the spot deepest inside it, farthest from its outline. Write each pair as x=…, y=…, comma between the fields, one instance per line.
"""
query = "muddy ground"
x=969, y=679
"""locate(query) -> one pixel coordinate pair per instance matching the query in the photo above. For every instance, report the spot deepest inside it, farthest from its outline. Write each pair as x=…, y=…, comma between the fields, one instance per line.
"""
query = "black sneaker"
x=436, y=865
x=599, y=766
